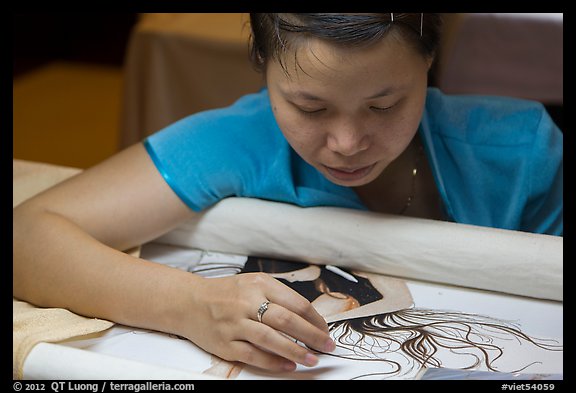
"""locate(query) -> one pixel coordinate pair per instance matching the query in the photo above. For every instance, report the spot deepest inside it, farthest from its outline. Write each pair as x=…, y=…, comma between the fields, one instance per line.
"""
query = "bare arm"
x=67, y=244
x=66, y=240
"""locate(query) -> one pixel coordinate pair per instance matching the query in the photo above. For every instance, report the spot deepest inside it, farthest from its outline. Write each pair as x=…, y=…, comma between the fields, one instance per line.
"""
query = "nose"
x=348, y=140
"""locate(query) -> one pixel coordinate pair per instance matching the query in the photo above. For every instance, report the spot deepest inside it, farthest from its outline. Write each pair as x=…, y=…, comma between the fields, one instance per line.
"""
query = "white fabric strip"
x=499, y=260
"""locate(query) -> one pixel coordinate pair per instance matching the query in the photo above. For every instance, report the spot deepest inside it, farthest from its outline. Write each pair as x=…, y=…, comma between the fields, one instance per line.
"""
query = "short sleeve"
x=215, y=154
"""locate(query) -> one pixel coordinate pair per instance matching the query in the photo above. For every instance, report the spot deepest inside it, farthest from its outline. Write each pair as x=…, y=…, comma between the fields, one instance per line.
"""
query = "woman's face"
x=328, y=303
x=349, y=112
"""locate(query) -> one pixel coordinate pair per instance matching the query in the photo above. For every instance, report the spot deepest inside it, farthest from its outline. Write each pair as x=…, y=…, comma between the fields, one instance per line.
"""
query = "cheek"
x=397, y=130
x=301, y=134
x=400, y=129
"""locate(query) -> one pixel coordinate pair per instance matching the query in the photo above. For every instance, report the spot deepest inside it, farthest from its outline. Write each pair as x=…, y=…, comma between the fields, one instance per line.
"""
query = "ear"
x=429, y=62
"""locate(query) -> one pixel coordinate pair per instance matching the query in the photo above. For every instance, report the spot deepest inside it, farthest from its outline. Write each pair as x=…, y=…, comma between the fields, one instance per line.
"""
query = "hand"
x=225, y=322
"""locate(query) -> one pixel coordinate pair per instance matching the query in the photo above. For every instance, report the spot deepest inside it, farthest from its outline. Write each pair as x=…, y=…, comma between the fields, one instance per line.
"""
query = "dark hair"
x=273, y=34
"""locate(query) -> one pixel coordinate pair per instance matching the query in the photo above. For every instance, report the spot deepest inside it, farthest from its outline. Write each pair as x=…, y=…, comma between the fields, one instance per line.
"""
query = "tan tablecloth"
x=179, y=64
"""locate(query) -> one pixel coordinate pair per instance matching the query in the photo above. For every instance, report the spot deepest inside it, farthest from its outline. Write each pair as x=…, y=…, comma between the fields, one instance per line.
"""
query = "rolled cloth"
x=507, y=261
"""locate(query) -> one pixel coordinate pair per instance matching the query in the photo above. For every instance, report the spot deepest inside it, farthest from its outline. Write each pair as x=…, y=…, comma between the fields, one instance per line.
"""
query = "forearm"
x=59, y=264
x=56, y=264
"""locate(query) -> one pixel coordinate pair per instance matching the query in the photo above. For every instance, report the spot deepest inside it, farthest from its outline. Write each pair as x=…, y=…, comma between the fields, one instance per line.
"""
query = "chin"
x=357, y=183
x=350, y=183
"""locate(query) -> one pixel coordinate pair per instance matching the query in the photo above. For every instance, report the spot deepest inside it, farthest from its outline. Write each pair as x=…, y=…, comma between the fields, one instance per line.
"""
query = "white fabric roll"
x=499, y=260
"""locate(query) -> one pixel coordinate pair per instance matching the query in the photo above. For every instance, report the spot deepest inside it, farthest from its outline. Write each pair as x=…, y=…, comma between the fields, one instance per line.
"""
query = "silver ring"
x=263, y=308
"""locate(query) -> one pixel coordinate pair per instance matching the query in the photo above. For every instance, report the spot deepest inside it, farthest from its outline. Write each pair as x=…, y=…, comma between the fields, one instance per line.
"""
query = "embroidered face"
x=349, y=112
x=337, y=294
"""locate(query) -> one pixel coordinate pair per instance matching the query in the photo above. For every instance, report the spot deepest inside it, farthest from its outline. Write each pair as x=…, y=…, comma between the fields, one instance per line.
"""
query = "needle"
x=341, y=273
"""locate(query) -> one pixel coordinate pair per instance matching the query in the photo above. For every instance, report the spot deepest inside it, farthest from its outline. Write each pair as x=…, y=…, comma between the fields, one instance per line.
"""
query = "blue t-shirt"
x=496, y=161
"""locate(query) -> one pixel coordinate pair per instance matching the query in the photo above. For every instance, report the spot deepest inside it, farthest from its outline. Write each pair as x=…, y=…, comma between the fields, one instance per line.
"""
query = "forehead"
x=298, y=44
x=317, y=62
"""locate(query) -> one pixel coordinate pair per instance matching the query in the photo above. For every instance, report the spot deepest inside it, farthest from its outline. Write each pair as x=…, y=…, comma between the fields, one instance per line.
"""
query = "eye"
x=380, y=109
x=306, y=110
x=310, y=111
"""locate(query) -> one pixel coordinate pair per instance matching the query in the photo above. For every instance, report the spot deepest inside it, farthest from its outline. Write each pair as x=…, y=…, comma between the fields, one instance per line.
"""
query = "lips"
x=349, y=174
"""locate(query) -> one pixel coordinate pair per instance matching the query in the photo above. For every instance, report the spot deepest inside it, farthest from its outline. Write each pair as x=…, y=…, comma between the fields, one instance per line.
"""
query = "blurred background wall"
x=87, y=85
x=67, y=85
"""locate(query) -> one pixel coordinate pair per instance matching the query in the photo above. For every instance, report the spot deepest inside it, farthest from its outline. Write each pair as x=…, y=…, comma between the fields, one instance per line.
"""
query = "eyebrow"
x=301, y=94
x=383, y=93
x=311, y=97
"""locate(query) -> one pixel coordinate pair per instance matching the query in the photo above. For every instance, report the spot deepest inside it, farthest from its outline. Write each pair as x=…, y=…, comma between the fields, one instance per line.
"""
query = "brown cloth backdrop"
x=180, y=64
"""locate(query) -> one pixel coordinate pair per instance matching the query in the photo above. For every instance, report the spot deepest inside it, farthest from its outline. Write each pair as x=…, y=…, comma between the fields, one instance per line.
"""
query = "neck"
x=393, y=191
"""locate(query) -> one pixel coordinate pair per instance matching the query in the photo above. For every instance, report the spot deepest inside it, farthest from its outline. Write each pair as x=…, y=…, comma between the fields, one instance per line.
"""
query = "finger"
x=271, y=340
x=296, y=327
x=249, y=353
x=288, y=298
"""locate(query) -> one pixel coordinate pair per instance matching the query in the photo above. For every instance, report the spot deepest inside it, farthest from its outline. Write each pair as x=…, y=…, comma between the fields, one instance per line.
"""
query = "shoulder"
x=485, y=120
x=496, y=159
x=230, y=135
x=218, y=153
x=491, y=128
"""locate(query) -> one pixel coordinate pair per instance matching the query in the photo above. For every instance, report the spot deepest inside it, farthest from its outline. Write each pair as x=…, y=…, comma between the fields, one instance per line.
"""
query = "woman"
x=346, y=120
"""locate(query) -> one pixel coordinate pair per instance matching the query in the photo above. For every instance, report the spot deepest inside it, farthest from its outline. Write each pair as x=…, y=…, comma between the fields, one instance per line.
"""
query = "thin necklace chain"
x=412, y=194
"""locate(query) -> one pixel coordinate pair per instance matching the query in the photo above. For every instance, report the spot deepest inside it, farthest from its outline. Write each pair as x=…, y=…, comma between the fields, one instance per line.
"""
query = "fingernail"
x=329, y=346
x=310, y=360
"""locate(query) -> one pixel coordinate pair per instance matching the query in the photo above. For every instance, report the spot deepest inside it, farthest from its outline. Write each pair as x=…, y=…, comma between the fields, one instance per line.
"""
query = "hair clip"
x=421, y=23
